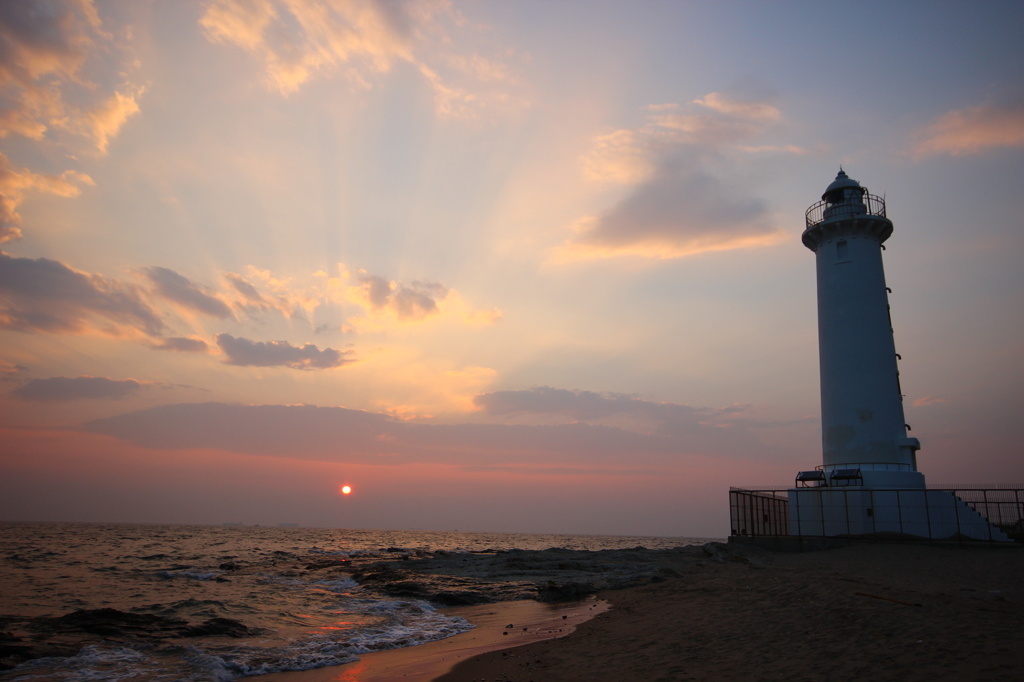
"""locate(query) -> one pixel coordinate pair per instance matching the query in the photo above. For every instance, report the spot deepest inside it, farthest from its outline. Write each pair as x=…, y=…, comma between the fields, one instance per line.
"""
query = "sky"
x=521, y=266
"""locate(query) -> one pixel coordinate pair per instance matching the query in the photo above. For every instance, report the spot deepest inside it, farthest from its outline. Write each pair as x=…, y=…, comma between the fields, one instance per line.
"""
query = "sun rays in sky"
x=483, y=256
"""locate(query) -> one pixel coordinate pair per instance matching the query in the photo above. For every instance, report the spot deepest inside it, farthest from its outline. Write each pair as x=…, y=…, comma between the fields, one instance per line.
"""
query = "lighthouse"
x=864, y=432
x=867, y=485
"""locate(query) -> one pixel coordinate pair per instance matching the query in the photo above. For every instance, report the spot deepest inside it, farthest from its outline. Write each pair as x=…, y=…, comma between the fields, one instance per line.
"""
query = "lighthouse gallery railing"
x=765, y=512
x=872, y=205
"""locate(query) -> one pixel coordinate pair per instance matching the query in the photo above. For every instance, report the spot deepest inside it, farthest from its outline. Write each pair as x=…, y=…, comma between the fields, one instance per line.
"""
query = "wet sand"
x=531, y=622
x=869, y=612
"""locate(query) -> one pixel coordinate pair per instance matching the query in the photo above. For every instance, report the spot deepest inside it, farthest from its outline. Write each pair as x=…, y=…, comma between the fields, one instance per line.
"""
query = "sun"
x=346, y=489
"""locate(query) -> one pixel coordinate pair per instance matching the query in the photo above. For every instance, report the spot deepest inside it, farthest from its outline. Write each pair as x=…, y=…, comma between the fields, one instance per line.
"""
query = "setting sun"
x=345, y=489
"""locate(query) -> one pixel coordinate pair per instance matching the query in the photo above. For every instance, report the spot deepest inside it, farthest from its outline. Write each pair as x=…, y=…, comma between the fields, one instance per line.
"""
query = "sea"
x=246, y=592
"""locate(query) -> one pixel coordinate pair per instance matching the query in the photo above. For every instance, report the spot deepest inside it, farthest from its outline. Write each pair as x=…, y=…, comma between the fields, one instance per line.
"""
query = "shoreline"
x=532, y=622
x=867, y=612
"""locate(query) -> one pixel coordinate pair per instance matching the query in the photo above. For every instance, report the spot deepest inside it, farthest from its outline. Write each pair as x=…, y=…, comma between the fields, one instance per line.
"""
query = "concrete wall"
x=935, y=514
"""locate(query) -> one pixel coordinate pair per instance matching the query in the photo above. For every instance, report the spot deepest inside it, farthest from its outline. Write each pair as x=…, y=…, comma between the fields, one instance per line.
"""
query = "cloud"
x=45, y=48
x=46, y=295
x=182, y=345
x=14, y=182
x=186, y=293
x=9, y=371
x=342, y=435
x=351, y=302
x=974, y=130
x=243, y=287
x=679, y=211
x=248, y=353
x=44, y=51
x=63, y=389
x=611, y=408
x=412, y=302
x=104, y=121
x=584, y=405
x=676, y=206
x=299, y=40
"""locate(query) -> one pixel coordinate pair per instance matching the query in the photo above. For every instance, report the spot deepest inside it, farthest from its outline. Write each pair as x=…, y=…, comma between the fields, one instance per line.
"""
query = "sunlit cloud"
x=47, y=295
x=297, y=41
x=974, y=130
x=246, y=289
x=44, y=50
x=181, y=344
x=678, y=207
x=386, y=303
x=46, y=93
x=748, y=109
x=929, y=400
x=64, y=389
x=416, y=387
x=14, y=182
x=103, y=122
x=247, y=353
x=9, y=371
x=186, y=293
x=679, y=211
x=406, y=302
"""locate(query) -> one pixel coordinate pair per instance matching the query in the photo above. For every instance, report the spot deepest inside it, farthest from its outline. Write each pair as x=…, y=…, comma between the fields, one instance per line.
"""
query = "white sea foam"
x=192, y=574
x=343, y=585
x=90, y=663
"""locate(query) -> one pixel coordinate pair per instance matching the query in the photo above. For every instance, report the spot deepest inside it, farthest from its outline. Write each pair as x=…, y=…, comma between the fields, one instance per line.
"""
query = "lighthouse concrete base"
x=863, y=511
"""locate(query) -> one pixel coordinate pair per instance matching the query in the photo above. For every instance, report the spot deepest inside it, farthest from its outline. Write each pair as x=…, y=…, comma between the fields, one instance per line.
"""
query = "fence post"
x=928, y=513
x=988, y=515
x=956, y=510
x=874, y=515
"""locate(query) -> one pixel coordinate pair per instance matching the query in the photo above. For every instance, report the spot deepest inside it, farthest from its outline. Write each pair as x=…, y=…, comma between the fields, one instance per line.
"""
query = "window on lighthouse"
x=842, y=251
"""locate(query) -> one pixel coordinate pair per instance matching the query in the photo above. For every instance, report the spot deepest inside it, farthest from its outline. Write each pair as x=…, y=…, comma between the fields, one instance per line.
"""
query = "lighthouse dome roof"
x=842, y=181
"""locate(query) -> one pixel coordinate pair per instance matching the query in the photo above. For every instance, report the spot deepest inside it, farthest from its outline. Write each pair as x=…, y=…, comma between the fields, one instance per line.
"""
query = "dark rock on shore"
x=66, y=635
x=455, y=578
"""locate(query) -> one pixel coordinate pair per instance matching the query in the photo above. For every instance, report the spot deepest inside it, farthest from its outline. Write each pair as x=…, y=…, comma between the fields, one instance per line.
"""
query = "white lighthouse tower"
x=868, y=483
x=862, y=422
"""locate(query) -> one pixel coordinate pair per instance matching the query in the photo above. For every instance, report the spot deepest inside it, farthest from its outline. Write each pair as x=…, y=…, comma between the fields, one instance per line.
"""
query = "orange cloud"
x=713, y=122
x=299, y=40
x=296, y=39
x=678, y=212
x=677, y=208
x=104, y=122
x=14, y=182
x=42, y=74
x=973, y=130
x=750, y=110
x=46, y=295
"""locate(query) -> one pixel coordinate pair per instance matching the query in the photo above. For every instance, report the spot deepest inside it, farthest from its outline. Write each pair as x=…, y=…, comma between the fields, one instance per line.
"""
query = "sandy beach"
x=701, y=612
x=864, y=612
x=867, y=612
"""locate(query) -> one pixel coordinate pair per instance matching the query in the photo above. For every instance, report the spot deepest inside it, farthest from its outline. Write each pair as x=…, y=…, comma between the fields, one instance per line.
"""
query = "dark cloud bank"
x=241, y=351
x=46, y=295
x=183, y=291
x=342, y=435
x=63, y=389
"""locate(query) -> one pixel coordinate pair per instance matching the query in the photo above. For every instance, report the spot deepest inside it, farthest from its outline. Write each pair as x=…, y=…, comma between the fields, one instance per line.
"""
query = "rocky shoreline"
x=441, y=578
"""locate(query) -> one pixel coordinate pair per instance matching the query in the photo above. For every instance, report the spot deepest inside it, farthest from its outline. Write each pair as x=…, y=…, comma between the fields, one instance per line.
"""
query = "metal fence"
x=954, y=513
